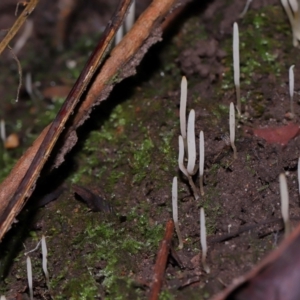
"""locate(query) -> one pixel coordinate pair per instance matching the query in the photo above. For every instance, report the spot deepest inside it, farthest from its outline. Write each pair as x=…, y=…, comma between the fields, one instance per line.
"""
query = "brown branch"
x=121, y=64
x=161, y=261
x=18, y=23
x=12, y=206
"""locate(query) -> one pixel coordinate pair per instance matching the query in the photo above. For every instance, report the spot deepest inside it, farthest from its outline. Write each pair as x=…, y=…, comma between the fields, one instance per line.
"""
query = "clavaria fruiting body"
x=175, y=211
x=2, y=130
x=182, y=108
x=191, y=143
x=232, y=129
x=284, y=196
x=44, y=262
x=236, y=66
x=291, y=89
x=203, y=240
x=29, y=277
x=201, y=161
x=129, y=20
x=183, y=168
x=291, y=8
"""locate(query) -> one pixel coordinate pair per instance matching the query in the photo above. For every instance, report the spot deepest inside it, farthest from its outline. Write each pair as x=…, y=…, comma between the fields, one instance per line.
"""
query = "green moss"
x=101, y=253
x=166, y=149
x=118, y=248
x=212, y=210
x=141, y=159
x=166, y=295
x=7, y=161
x=50, y=114
x=258, y=55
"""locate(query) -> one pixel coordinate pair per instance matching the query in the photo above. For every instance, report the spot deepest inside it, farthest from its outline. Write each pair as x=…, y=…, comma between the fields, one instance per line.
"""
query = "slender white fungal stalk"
x=181, y=157
x=175, y=211
x=294, y=5
x=182, y=109
x=203, y=240
x=2, y=130
x=2, y=298
x=27, y=32
x=38, y=244
x=291, y=8
x=236, y=66
x=284, y=196
x=291, y=88
x=129, y=21
x=44, y=255
x=299, y=173
x=201, y=161
x=243, y=13
x=119, y=35
x=28, y=84
x=183, y=168
x=29, y=277
x=191, y=143
x=232, y=129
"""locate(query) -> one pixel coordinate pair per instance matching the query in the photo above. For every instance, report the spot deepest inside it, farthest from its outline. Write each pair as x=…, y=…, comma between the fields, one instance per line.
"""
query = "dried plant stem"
x=17, y=25
x=161, y=261
x=122, y=61
x=18, y=198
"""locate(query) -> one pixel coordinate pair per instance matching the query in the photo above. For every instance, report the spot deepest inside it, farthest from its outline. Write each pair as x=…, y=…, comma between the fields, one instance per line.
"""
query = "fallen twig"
x=17, y=187
x=29, y=8
x=11, y=206
x=161, y=261
x=245, y=228
x=124, y=58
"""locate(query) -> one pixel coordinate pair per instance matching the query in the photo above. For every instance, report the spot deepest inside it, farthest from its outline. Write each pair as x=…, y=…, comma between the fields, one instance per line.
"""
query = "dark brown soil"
x=128, y=155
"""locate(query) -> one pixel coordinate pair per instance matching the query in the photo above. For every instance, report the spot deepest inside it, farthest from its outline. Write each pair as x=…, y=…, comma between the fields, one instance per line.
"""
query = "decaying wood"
x=121, y=64
x=276, y=277
x=161, y=261
x=11, y=204
x=29, y=8
x=8, y=186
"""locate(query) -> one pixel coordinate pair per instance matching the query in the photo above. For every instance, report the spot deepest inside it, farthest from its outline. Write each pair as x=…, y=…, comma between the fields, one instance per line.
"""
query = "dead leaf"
x=276, y=277
x=278, y=135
